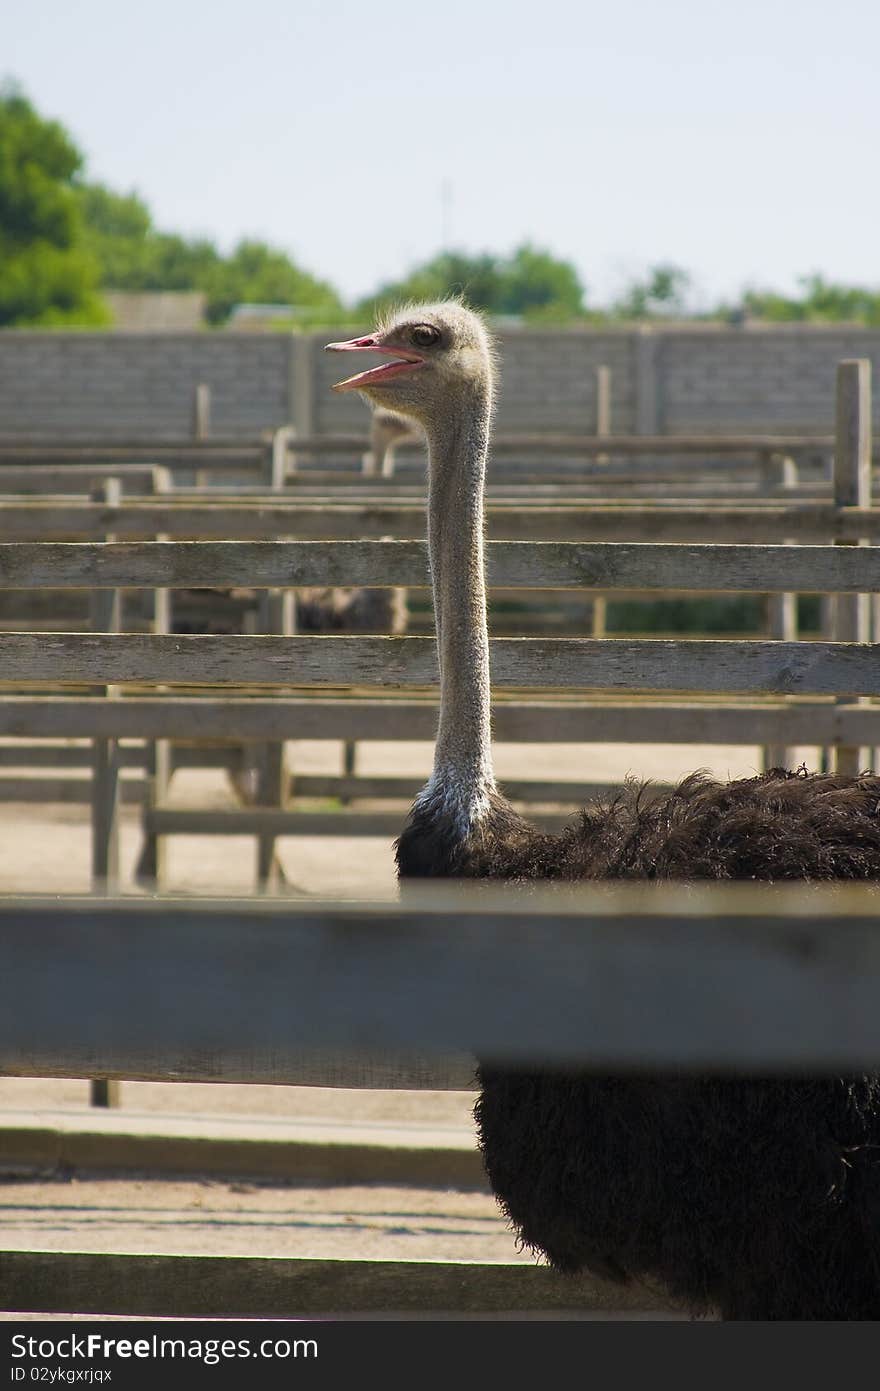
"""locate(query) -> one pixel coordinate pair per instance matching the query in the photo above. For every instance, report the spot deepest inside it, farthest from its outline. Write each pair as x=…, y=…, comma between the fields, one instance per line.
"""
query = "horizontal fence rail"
x=515, y=721
x=557, y=442
x=395, y=663
x=745, y=977
x=42, y=479
x=213, y=453
x=342, y=442
x=610, y=521
x=277, y=1287
x=524, y=489
x=529, y=564
x=284, y=821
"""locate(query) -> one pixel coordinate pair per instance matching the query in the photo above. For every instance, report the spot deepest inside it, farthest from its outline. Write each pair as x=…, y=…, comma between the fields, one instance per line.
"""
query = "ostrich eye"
x=425, y=335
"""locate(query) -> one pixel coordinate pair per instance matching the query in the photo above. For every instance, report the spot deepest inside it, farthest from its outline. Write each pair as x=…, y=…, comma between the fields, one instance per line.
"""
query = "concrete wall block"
x=139, y=383
x=718, y=380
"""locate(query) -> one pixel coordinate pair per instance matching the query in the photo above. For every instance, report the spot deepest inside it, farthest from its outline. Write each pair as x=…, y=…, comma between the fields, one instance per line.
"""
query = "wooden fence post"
x=780, y=471
x=106, y=617
x=201, y=424
x=603, y=405
x=647, y=403
x=349, y=765
x=599, y=611
x=151, y=865
x=852, y=488
x=201, y=411
x=280, y=463
x=301, y=401
x=278, y=612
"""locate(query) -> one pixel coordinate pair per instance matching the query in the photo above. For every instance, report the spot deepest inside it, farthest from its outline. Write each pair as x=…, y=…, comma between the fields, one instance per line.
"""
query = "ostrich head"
x=441, y=355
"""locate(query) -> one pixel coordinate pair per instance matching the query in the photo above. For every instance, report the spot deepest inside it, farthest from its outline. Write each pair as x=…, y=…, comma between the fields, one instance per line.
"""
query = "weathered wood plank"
x=46, y=478
x=216, y=452
x=514, y=721
x=284, y=821
x=591, y=445
x=45, y=755
x=405, y=788
x=340, y=442
x=782, y=668
x=106, y=616
x=741, y=976
x=510, y=564
x=69, y=791
x=611, y=521
x=712, y=474
x=566, y=486
x=276, y=1287
x=234, y=821
x=548, y=490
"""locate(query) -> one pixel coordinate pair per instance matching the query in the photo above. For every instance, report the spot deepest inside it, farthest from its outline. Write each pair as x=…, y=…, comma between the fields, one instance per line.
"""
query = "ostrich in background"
x=756, y=1197
x=388, y=430
x=363, y=610
x=342, y=609
x=319, y=609
x=349, y=610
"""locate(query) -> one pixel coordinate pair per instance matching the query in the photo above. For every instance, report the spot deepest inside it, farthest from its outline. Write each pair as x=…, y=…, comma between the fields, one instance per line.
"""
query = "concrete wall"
x=674, y=380
x=131, y=385
x=780, y=380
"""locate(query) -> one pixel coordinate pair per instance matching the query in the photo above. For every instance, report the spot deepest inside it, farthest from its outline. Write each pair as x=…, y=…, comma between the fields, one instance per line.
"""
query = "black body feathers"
x=759, y=1198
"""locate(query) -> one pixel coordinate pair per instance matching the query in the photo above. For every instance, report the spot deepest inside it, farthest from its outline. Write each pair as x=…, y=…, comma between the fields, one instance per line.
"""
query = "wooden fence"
x=295, y=664
x=108, y=567
x=283, y=459
x=409, y=995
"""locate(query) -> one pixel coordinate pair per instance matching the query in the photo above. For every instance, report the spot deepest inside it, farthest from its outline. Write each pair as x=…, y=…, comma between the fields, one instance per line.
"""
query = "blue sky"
x=740, y=141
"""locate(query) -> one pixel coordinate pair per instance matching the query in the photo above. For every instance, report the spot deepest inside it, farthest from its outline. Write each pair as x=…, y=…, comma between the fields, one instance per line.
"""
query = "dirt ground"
x=45, y=849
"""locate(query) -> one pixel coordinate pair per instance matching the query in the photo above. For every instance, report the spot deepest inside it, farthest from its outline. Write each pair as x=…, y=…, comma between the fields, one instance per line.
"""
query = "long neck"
x=462, y=774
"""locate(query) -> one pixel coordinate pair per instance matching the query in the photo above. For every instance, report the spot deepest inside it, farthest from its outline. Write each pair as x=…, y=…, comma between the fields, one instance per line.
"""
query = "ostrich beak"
x=404, y=362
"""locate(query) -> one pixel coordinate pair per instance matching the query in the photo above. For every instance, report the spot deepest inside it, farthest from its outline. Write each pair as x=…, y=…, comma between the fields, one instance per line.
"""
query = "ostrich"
x=318, y=610
x=750, y=1197
x=387, y=431
x=351, y=610
x=363, y=610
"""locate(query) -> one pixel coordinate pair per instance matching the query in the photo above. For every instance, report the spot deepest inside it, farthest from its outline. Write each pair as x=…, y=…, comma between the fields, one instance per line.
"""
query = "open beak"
x=402, y=364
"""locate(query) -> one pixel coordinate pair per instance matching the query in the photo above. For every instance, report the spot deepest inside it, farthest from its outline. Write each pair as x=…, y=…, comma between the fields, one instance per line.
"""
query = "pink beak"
x=404, y=362
x=353, y=345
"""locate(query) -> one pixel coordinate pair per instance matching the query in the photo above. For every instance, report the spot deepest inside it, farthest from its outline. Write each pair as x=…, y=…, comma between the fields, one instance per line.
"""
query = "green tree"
x=530, y=283
x=822, y=301
x=663, y=294
x=47, y=276
x=114, y=216
x=259, y=274
x=135, y=255
x=131, y=253
x=450, y=273
x=538, y=286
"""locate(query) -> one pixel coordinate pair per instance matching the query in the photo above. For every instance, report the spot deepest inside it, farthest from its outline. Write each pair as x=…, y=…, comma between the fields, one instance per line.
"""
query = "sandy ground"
x=205, y=1217
x=45, y=849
